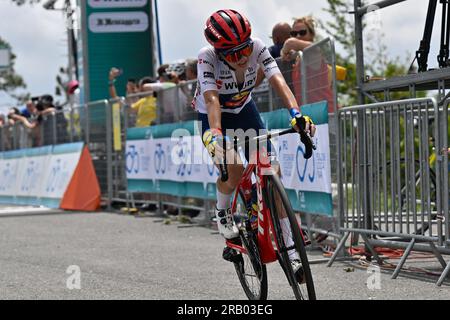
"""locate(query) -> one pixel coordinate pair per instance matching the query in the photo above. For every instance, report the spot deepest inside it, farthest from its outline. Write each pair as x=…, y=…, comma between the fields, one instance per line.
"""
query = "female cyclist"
x=227, y=74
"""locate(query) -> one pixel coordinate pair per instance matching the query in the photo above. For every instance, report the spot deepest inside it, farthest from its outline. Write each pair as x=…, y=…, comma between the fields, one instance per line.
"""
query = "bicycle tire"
x=304, y=291
x=250, y=267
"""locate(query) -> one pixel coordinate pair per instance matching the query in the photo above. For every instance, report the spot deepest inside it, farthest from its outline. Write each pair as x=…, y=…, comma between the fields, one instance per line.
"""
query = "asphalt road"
x=124, y=257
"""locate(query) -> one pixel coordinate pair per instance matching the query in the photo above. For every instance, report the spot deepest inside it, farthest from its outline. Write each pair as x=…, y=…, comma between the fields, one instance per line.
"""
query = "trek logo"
x=213, y=31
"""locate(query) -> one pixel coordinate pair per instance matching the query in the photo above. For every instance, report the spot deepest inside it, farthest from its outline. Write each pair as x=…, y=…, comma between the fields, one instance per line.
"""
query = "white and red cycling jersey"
x=214, y=74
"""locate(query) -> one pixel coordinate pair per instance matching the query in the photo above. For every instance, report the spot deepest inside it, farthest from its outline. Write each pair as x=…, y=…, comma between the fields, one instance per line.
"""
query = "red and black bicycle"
x=267, y=242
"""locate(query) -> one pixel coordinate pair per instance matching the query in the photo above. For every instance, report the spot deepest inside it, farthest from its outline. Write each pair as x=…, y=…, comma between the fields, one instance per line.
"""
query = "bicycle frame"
x=266, y=249
x=261, y=168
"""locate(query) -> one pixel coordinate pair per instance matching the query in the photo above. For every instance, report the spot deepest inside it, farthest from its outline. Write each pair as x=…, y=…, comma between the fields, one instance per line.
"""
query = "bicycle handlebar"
x=305, y=138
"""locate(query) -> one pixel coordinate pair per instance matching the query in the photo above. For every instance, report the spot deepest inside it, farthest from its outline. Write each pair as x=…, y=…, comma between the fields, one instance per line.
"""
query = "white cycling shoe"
x=298, y=271
x=225, y=223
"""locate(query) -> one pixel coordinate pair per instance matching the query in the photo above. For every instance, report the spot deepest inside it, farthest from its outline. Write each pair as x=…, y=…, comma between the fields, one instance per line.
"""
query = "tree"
x=9, y=79
x=378, y=65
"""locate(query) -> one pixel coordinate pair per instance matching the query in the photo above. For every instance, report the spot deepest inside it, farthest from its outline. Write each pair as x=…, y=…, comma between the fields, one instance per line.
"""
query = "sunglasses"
x=236, y=54
x=300, y=33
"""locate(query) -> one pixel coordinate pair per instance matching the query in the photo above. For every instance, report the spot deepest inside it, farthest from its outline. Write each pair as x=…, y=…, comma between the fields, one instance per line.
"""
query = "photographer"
x=169, y=97
x=54, y=122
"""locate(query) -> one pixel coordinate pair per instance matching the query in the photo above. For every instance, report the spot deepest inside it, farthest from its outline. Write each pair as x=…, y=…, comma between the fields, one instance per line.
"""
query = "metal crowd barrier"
x=93, y=123
x=393, y=187
x=389, y=186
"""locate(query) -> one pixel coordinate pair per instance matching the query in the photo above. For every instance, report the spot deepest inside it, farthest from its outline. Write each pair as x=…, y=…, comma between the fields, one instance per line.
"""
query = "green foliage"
x=378, y=64
x=9, y=79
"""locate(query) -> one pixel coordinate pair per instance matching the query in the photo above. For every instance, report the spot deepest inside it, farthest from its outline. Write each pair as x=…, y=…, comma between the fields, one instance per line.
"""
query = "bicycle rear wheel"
x=278, y=203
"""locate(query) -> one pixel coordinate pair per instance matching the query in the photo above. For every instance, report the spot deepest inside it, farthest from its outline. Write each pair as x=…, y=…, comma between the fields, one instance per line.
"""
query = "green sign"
x=114, y=34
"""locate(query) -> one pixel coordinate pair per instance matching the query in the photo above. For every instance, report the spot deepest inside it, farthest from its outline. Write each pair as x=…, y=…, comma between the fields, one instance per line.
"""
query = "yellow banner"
x=116, y=127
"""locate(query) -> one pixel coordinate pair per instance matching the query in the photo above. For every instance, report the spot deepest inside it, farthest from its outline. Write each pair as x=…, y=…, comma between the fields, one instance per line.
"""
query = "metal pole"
x=109, y=147
x=158, y=36
x=359, y=52
x=378, y=5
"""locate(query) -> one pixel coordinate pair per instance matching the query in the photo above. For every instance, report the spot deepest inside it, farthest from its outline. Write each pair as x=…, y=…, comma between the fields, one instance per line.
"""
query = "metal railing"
x=393, y=185
x=389, y=186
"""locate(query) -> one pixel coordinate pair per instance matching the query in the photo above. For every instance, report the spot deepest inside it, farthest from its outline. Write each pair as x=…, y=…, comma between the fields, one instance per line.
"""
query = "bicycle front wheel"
x=251, y=271
x=288, y=240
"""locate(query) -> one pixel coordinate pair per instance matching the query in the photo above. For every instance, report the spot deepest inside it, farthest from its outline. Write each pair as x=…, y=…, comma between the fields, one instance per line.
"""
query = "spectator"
x=29, y=107
x=169, y=97
x=2, y=120
x=32, y=123
x=54, y=122
x=302, y=34
x=191, y=75
x=145, y=107
x=162, y=72
x=5, y=136
x=15, y=116
x=131, y=86
x=280, y=33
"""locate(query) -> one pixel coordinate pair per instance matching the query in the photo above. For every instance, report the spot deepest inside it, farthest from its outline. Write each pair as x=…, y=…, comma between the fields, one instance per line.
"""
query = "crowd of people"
x=166, y=97
x=150, y=97
x=33, y=124
x=142, y=97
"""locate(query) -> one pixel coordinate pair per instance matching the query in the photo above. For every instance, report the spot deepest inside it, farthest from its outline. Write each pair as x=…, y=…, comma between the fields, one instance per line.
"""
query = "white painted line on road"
x=25, y=210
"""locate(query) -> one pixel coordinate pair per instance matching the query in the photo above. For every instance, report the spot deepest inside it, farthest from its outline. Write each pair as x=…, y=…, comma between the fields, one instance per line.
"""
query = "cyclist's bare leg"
x=234, y=176
x=282, y=215
x=279, y=205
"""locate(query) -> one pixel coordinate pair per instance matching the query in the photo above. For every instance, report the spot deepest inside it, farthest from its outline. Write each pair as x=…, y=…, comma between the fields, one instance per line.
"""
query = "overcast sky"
x=38, y=37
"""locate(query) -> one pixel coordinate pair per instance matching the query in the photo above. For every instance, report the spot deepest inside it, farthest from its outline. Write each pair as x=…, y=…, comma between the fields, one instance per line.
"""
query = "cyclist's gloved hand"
x=302, y=122
x=213, y=139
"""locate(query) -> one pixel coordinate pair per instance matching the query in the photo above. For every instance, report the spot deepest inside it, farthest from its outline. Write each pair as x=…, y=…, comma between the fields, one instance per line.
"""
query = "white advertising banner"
x=38, y=173
x=59, y=172
x=32, y=174
x=182, y=160
x=298, y=173
x=8, y=176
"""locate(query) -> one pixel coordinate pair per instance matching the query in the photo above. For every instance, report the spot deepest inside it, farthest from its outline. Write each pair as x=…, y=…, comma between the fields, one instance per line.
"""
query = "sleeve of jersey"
x=265, y=60
x=205, y=70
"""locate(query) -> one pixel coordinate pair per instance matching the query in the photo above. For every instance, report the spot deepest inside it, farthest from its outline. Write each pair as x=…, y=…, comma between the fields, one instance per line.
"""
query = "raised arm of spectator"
x=113, y=74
